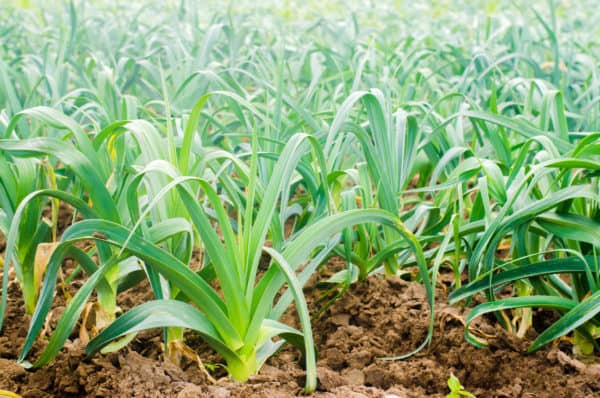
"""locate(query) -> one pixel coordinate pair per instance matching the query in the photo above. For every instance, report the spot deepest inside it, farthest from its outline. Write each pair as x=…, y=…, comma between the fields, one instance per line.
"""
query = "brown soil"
x=376, y=319
x=379, y=318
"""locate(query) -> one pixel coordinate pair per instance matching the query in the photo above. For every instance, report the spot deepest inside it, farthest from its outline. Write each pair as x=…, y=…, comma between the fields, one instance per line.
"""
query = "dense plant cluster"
x=403, y=140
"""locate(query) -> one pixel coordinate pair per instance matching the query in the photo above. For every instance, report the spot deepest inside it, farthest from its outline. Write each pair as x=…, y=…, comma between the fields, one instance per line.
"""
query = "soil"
x=375, y=319
x=378, y=318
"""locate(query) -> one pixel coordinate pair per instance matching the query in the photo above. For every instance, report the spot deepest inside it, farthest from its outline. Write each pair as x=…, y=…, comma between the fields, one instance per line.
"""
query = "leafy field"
x=225, y=157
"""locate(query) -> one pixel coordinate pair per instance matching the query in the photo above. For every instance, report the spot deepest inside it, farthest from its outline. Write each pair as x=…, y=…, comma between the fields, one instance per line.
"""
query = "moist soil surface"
x=375, y=319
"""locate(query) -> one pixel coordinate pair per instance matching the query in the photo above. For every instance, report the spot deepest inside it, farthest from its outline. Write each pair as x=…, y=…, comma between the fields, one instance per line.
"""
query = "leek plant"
x=91, y=178
x=18, y=177
x=389, y=144
x=551, y=218
x=240, y=326
x=543, y=205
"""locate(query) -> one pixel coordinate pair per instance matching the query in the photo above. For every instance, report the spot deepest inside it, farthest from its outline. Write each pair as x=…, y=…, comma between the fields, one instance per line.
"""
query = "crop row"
x=469, y=146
